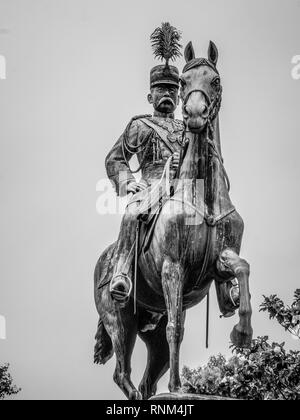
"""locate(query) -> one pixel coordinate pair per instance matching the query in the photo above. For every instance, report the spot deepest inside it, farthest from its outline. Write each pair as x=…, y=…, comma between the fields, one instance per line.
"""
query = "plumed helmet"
x=166, y=47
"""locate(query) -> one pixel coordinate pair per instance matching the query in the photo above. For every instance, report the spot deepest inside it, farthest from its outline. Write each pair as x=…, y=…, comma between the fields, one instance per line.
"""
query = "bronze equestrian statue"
x=190, y=239
x=154, y=139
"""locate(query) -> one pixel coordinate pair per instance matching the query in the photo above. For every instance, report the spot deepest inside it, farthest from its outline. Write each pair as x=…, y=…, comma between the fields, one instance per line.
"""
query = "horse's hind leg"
x=158, y=358
x=121, y=325
x=230, y=262
x=172, y=287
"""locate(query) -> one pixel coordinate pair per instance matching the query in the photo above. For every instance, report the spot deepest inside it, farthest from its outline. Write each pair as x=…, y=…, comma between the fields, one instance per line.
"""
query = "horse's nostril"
x=204, y=111
x=201, y=110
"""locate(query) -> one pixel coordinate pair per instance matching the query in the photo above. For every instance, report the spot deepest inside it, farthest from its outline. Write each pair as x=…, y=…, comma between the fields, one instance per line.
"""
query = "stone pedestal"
x=176, y=396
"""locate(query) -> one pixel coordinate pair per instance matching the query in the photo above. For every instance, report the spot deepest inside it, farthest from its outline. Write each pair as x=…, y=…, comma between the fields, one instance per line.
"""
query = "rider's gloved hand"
x=175, y=160
x=135, y=187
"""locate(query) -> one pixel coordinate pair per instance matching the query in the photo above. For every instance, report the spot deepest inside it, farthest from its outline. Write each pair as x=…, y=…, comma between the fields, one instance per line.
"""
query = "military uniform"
x=160, y=138
x=153, y=139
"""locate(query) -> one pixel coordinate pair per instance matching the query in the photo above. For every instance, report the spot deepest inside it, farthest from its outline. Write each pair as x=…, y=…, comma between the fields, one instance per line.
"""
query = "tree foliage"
x=7, y=388
x=263, y=372
x=287, y=316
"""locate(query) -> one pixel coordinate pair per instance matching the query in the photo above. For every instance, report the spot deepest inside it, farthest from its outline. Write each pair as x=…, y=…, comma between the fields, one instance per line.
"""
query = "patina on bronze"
x=154, y=139
x=182, y=259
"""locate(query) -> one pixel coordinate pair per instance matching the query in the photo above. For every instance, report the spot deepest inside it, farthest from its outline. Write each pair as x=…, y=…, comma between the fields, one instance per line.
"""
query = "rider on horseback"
x=155, y=140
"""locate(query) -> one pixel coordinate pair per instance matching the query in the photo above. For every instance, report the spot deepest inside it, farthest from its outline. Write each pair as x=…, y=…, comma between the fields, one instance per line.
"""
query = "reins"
x=211, y=220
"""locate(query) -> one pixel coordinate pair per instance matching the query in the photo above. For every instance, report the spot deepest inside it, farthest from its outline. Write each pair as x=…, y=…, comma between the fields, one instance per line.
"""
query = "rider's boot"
x=121, y=283
x=228, y=294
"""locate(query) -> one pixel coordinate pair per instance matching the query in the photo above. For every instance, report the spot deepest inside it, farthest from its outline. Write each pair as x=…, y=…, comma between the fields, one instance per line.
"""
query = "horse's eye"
x=216, y=82
x=182, y=83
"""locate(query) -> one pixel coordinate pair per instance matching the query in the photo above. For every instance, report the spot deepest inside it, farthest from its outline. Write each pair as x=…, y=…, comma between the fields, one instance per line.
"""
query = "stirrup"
x=235, y=297
x=121, y=289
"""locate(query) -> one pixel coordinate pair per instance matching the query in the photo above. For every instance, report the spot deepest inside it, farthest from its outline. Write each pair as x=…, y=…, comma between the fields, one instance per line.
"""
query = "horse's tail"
x=103, y=347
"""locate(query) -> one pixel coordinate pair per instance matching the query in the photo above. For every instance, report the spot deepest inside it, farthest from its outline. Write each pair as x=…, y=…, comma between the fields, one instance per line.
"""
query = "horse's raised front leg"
x=230, y=262
x=172, y=287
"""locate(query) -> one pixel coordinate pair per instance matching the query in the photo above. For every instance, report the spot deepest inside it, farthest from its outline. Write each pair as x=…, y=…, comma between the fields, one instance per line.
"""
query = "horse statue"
x=196, y=240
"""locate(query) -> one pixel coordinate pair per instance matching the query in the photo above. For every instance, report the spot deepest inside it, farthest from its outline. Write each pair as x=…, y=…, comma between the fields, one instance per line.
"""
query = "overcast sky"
x=77, y=71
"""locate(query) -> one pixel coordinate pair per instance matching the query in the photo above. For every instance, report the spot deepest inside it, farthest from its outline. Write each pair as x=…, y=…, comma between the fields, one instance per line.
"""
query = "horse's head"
x=200, y=89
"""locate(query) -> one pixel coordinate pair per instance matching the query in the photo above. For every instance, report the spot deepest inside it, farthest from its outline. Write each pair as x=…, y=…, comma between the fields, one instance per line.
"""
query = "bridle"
x=214, y=105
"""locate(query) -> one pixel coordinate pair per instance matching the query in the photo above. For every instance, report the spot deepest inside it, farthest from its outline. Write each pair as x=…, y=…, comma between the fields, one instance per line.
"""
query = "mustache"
x=166, y=99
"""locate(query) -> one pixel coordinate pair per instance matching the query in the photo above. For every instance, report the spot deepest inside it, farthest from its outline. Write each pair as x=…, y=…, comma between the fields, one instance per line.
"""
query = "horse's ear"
x=213, y=53
x=189, y=53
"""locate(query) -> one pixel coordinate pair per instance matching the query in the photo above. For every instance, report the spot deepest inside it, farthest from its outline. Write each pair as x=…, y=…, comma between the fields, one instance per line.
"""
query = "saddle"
x=147, y=223
x=151, y=203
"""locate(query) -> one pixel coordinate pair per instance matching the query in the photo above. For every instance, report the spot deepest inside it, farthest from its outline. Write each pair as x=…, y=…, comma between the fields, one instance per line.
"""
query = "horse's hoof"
x=146, y=392
x=175, y=388
x=241, y=338
x=135, y=395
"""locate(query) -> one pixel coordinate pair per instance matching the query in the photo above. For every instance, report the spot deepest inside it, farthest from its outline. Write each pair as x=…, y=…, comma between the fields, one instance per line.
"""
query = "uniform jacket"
x=161, y=138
